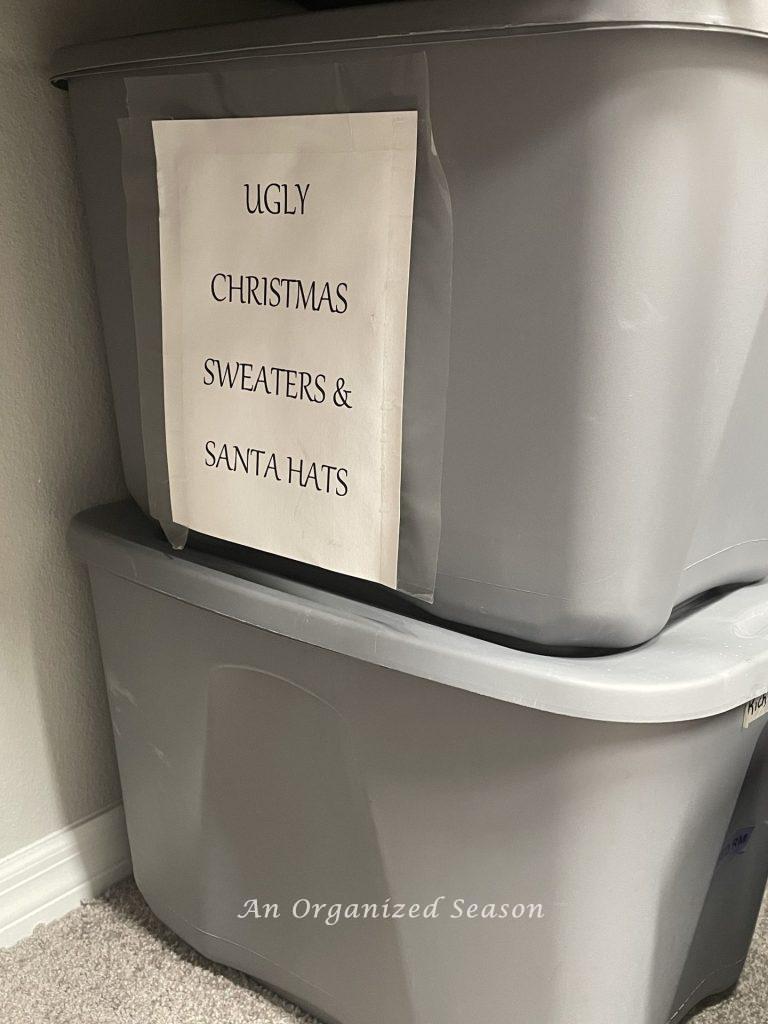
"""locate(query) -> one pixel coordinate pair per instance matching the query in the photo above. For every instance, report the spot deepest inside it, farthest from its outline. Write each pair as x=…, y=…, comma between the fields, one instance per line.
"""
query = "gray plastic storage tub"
x=607, y=169
x=280, y=744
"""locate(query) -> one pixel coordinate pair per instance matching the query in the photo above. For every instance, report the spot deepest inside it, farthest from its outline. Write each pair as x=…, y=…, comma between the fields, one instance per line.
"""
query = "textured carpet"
x=113, y=962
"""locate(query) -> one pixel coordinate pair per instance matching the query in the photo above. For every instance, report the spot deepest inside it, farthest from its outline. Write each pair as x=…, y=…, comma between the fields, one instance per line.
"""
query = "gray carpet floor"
x=113, y=962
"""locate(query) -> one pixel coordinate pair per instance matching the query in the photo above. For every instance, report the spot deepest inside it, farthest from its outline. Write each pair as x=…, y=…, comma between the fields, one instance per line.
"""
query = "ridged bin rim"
x=423, y=22
x=707, y=662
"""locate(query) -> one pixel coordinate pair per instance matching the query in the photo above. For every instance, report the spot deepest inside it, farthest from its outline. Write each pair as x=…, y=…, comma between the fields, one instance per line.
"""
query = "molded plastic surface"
x=708, y=661
x=606, y=416
x=258, y=767
x=425, y=21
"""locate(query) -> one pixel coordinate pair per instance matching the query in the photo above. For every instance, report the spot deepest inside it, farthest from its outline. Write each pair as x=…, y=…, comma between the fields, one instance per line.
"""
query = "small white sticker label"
x=756, y=708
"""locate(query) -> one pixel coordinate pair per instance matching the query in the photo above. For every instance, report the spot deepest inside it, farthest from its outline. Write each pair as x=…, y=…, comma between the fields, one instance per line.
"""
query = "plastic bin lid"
x=706, y=662
x=418, y=22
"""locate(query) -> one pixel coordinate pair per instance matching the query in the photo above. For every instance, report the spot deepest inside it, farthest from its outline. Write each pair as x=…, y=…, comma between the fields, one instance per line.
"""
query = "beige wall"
x=58, y=449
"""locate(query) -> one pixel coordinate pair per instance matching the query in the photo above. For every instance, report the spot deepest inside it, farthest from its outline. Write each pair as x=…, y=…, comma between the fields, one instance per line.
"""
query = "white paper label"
x=755, y=709
x=285, y=252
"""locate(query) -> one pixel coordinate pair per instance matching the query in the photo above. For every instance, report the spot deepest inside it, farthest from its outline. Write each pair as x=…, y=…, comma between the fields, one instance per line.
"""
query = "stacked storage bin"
x=580, y=824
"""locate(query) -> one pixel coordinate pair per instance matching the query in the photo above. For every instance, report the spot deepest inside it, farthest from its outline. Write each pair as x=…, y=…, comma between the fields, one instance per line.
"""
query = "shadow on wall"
x=59, y=450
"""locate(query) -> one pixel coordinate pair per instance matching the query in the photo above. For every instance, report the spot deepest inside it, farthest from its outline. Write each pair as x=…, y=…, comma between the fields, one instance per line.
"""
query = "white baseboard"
x=45, y=880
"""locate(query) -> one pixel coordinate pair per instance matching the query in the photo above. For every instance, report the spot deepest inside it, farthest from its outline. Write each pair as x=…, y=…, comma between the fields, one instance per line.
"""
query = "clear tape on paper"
x=307, y=84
